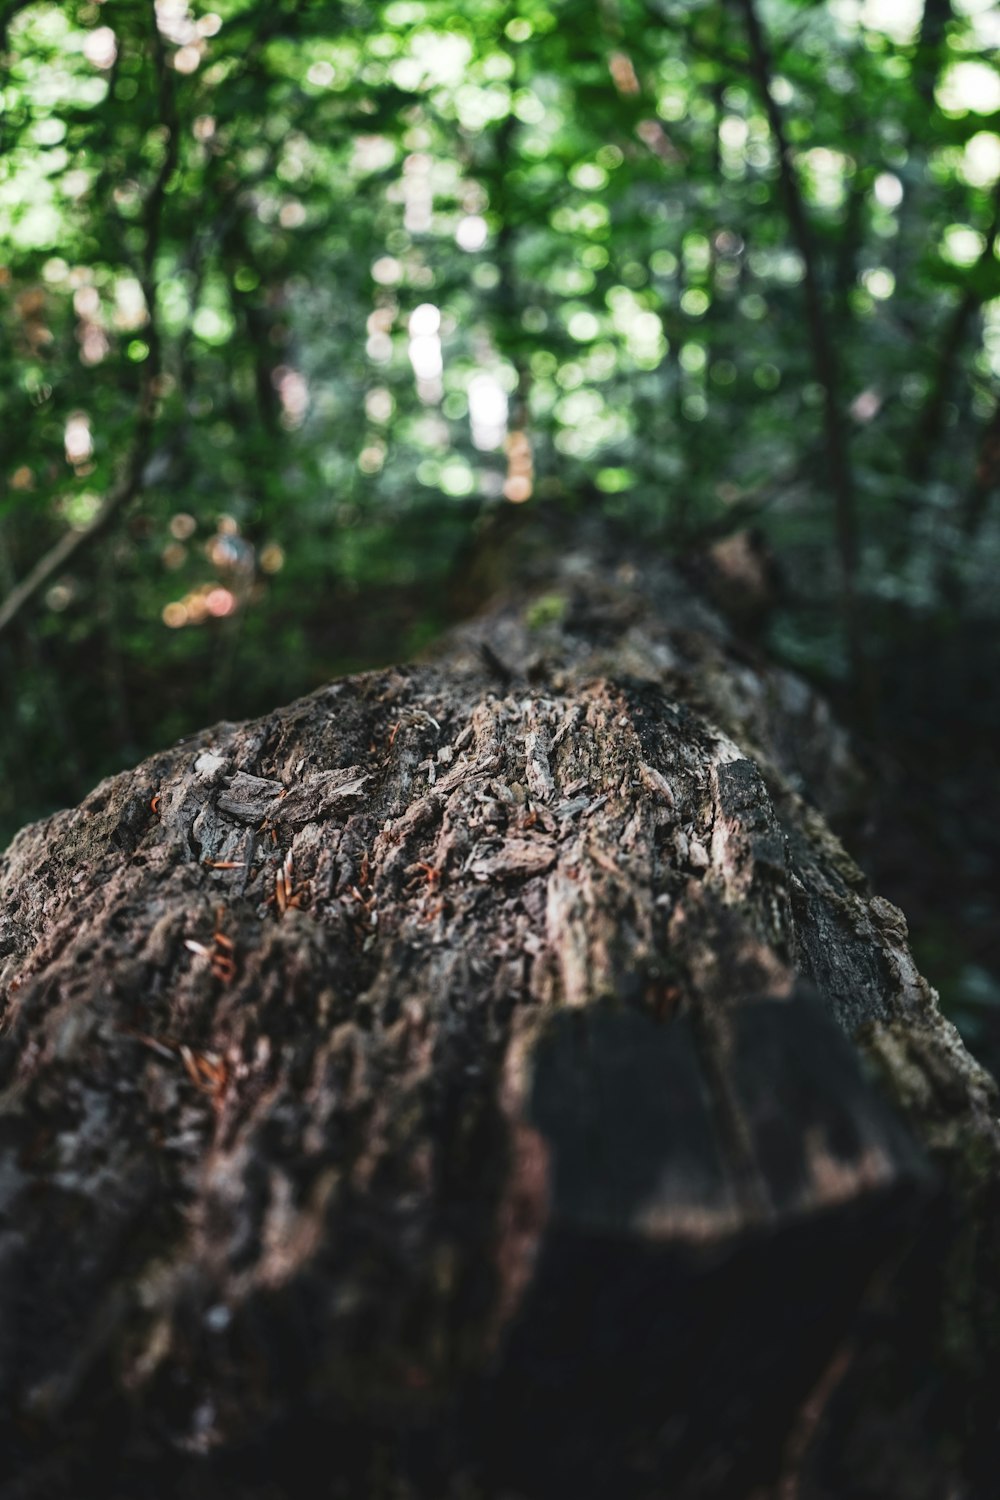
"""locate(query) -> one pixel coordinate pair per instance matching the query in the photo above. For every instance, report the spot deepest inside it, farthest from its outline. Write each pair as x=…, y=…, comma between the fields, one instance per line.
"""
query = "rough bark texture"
x=488, y=1077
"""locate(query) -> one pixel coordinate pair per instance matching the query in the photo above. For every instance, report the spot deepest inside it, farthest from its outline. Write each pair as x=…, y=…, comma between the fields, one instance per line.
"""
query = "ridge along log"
x=485, y=1077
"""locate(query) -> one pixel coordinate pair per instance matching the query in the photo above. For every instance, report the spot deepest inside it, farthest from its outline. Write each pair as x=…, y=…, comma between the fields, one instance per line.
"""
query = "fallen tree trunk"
x=488, y=1077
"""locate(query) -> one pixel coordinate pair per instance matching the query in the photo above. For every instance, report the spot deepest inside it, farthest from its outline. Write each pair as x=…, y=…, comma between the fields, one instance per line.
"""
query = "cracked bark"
x=485, y=1077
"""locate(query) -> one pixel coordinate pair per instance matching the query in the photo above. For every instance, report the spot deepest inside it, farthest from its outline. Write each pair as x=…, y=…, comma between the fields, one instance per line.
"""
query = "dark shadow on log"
x=683, y=1300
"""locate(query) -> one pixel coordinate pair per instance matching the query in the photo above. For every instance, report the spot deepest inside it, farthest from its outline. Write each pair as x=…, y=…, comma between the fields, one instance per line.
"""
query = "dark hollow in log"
x=489, y=1077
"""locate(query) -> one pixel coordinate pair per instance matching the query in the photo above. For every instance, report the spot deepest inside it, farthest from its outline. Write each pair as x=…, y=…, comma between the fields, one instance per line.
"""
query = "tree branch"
x=129, y=484
x=58, y=558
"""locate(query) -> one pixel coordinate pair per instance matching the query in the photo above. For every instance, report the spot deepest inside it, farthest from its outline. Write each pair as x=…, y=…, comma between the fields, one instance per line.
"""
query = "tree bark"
x=488, y=1077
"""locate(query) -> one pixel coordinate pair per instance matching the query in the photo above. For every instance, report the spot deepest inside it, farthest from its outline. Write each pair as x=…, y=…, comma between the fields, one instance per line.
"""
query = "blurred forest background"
x=295, y=295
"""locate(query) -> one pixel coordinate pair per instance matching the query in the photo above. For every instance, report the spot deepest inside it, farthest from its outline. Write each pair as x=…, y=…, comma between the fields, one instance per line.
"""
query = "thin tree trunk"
x=824, y=356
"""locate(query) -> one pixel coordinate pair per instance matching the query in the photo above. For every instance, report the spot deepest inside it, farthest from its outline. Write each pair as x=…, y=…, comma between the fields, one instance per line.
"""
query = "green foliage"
x=321, y=237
